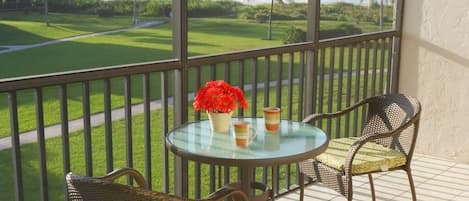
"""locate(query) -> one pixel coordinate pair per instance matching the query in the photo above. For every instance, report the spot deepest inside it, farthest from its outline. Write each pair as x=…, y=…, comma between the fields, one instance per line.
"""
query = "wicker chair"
x=386, y=143
x=104, y=189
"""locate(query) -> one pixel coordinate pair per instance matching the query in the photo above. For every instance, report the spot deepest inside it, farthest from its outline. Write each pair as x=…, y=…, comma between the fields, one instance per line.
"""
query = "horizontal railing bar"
x=26, y=82
x=245, y=54
x=346, y=40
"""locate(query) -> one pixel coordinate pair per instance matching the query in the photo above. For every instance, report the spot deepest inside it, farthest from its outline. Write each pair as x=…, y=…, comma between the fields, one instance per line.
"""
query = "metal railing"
x=311, y=77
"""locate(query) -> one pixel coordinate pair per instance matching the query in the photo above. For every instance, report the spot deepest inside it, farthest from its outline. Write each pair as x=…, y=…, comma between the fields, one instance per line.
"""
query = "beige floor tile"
x=462, y=166
x=436, y=162
x=339, y=199
x=383, y=191
x=436, y=179
x=448, y=180
x=463, y=197
x=397, y=180
x=429, y=167
x=427, y=192
x=312, y=193
x=459, y=170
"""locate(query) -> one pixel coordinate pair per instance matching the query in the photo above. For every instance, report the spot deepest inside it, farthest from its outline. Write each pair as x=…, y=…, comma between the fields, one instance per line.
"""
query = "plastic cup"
x=272, y=118
x=243, y=133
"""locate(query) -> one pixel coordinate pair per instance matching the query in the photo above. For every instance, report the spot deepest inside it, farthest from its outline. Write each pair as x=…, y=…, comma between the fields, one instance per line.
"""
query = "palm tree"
x=134, y=13
x=381, y=7
x=370, y=2
x=269, y=32
x=46, y=12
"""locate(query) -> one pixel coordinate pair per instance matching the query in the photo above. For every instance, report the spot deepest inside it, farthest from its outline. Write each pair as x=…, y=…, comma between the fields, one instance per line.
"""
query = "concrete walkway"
x=77, y=124
x=14, y=48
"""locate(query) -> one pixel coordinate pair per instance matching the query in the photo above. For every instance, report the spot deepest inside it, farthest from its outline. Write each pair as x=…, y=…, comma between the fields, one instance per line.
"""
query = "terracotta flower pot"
x=220, y=122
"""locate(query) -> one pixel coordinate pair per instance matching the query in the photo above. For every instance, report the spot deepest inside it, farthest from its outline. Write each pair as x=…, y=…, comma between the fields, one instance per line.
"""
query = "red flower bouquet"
x=219, y=97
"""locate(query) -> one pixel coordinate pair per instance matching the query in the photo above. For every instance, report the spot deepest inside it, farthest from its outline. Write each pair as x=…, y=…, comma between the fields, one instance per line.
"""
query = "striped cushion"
x=370, y=157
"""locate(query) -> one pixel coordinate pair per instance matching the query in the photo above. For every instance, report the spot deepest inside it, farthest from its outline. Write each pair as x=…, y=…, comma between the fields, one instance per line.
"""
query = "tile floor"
x=435, y=179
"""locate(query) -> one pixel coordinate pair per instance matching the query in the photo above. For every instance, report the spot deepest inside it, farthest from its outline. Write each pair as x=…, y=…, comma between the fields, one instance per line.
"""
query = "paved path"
x=76, y=125
x=14, y=48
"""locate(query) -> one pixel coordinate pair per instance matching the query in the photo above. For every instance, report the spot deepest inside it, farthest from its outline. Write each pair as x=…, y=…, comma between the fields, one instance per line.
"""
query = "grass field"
x=30, y=159
x=18, y=28
x=206, y=36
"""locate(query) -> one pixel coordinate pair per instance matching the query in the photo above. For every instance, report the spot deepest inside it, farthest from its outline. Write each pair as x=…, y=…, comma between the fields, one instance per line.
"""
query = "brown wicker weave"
x=104, y=189
x=391, y=120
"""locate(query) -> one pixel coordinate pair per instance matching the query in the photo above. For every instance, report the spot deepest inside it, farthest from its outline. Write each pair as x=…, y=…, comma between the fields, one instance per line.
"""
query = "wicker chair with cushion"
x=386, y=143
x=81, y=188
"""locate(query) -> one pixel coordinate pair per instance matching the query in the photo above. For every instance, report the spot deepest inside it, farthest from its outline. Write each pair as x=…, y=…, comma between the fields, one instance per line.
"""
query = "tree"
x=269, y=32
x=46, y=12
x=370, y=4
x=134, y=12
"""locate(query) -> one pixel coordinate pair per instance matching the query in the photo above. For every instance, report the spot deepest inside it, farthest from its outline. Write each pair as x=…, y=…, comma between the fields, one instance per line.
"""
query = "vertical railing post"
x=41, y=144
x=165, y=123
x=87, y=128
x=147, y=127
x=396, y=46
x=312, y=35
x=108, y=125
x=64, y=130
x=15, y=146
x=179, y=22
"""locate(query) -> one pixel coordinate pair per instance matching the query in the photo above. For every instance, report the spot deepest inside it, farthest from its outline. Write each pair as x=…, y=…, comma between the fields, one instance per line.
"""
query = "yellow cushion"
x=370, y=157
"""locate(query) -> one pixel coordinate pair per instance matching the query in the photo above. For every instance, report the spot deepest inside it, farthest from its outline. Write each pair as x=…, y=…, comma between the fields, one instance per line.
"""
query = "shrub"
x=210, y=8
x=294, y=35
x=153, y=8
x=341, y=30
x=105, y=12
x=261, y=17
x=244, y=16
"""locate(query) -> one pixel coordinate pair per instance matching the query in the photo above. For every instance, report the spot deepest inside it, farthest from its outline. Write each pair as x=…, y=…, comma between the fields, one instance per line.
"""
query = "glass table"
x=293, y=142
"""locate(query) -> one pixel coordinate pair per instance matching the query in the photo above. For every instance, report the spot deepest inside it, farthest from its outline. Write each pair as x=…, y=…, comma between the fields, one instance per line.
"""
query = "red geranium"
x=219, y=97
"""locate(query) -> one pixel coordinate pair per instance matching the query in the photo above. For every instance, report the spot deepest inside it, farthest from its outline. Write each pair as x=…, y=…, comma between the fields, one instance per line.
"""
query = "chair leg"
x=301, y=180
x=411, y=183
x=372, y=187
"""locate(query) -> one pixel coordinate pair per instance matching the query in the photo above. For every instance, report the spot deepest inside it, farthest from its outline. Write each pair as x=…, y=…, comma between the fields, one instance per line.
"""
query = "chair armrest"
x=124, y=172
x=313, y=117
x=225, y=192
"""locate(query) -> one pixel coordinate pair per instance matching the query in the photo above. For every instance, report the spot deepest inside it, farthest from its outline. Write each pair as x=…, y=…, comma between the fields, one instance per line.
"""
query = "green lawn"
x=21, y=29
x=206, y=36
x=30, y=159
x=137, y=46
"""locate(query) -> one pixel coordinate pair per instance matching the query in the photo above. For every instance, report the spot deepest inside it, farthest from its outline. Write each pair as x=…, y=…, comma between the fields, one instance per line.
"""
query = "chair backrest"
x=394, y=112
x=81, y=188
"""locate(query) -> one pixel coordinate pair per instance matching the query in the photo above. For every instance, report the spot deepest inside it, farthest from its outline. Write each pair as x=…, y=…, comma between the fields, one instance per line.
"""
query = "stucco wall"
x=435, y=69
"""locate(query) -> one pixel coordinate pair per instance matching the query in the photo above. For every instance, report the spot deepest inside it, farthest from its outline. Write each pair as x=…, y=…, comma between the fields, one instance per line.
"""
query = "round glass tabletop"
x=293, y=141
